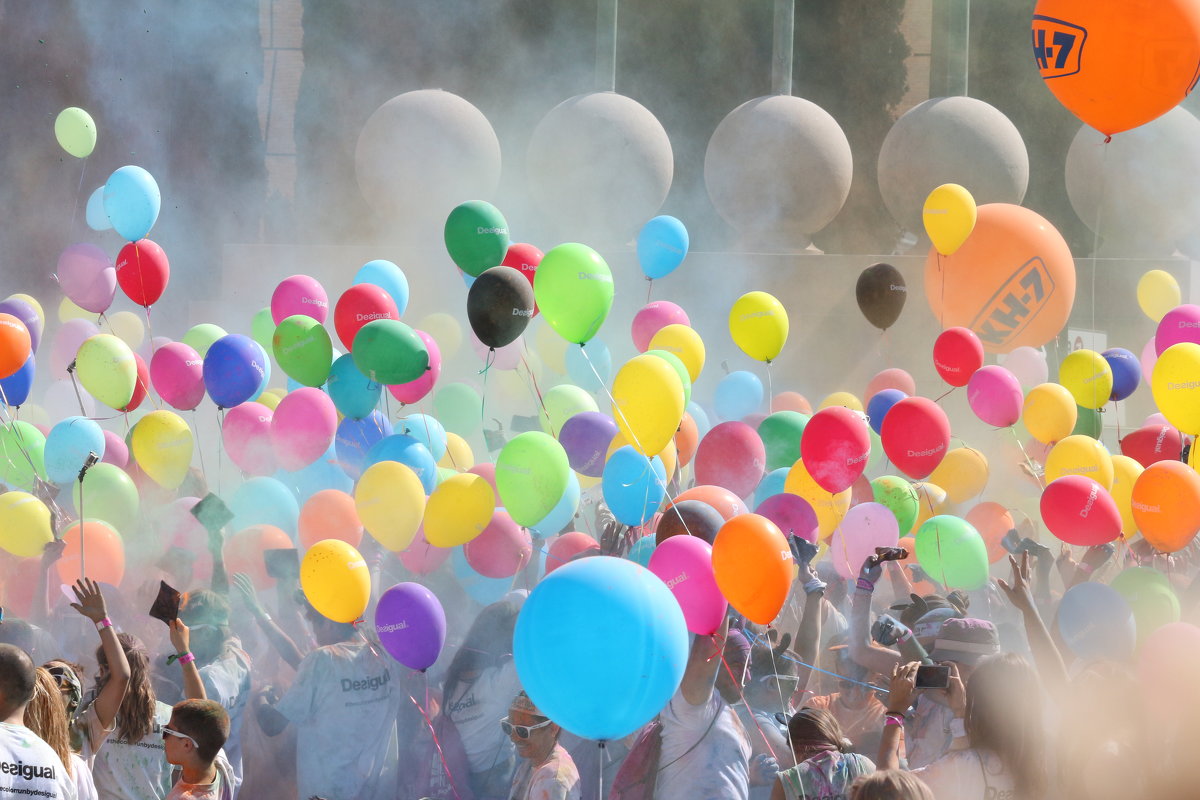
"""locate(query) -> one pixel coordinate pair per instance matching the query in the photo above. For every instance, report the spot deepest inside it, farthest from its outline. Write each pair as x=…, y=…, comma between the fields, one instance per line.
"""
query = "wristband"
x=186, y=658
x=103, y=623
x=892, y=718
x=904, y=636
x=815, y=585
x=865, y=586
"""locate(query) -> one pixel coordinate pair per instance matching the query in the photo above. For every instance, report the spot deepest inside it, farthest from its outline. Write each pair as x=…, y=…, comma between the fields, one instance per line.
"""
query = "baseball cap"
x=966, y=641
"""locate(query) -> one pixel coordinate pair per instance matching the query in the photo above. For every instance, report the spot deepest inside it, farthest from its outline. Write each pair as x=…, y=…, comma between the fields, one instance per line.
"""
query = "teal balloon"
x=353, y=394
x=642, y=549
x=1088, y=422
x=771, y=485
x=324, y=473
x=386, y=276
x=407, y=451
x=459, y=407
x=952, y=552
x=476, y=237
x=68, y=446
x=132, y=202
x=532, y=472
x=264, y=501
x=97, y=220
x=780, y=433
x=426, y=430
x=563, y=513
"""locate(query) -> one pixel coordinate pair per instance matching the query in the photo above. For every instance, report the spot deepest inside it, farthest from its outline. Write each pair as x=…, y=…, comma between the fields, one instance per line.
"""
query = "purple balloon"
x=411, y=625
x=24, y=312
x=87, y=276
x=586, y=437
x=792, y=514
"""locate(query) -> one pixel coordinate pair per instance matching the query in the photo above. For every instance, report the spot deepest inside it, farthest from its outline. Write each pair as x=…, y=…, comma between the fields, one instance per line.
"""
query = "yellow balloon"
x=24, y=524
x=76, y=131
x=1088, y=377
x=33, y=303
x=1080, y=455
x=270, y=398
x=390, y=502
x=67, y=311
x=830, y=508
x=758, y=323
x=963, y=473
x=1125, y=475
x=647, y=402
x=459, y=456
x=336, y=580
x=551, y=347
x=949, y=217
x=1157, y=293
x=684, y=343
x=445, y=330
x=126, y=326
x=931, y=501
x=1050, y=412
x=562, y=402
x=162, y=446
x=846, y=399
x=458, y=510
x=1176, y=386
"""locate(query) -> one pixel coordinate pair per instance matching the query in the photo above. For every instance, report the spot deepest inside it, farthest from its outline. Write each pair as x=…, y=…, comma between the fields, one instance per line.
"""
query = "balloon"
x=356, y=437
x=353, y=394
x=993, y=521
x=585, y=438
x=1166, y=505
x=388, y=351
x=995, y=396
x=1012, y=282
x=792, y=514
x=753, y=566
x=303, y=428
x=642, y=550
x=386, y=276
x=68, y=446
x=302, y=347
x=1176, y=387
x=835, y=447
x=142, y=271
x=563, y=514
x=652, y=318
x=426, y=430
x=411, y=625
x=590, y=366
x=1179, y=325
x=690, y=518
x=781, y=434
x=233, y=370
x=1149, y=594
x=647, y=403
x=27, y=315
x=963, y=473
x=731, y=395
x=685, y=565
x=738, y=395
x=390, y=502
x=14, y=390
x=957, y=354
x=264, y=501
x=243, y=552
x=830, y=508
x=634, y=485
x=358, y=305
x=915, y=436
x=162, y=446
x=1152, y=443
x=414, y=391
x=408, y=451
x=732, y=456
x=1095, y=622
x=524, y=258
x=568, y=547
x=24, y=524
x=94, y=214
x=103, y=548
x=1028, y=365
x=1126, y=372
x=422, y=558
x=107, y=370
x=329, y=514
x=1049, y=413
x=726, y=503
x=865, y=527
x=1157, y=293
x=662, y=244
x=501, y=549
x=1088, y=377
x=458, y=510
x=685, y=344
x=1079, y=511
x=336, y=580
x=201, y=337
x=1088, y=423
x=899, y=497
x=476, y=236
x=574, y=290
x=459, y=456
x=892, y=378
x=445, y=329
x=949, y=216
x=561, y=403
x=952, y=552
x=87, y=277
x=531, y=475
x=881, y=293
x=132, y=202
x=299, y=295
x=879, y=404
x=75, y=131
x=687, y=439
x=459, y=407
x=1080, y=455
x=758, y=324
x=107, y=494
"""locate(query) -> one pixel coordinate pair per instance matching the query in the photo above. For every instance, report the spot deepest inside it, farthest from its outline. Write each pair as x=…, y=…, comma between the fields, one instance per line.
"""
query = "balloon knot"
x=1108, y=139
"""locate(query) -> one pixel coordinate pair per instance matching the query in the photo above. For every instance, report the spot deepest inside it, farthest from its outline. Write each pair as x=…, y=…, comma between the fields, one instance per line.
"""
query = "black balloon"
x=689, y=516
x=499, y=306
x=881, y=294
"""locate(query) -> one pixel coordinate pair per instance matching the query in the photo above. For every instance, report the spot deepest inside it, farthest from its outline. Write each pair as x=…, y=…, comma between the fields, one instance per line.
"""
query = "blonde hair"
x=135, y=717
x=46, y=716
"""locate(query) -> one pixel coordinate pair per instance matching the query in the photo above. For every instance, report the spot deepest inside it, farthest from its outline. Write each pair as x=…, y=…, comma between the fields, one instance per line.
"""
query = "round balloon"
x=1079, y=511
x=685, y=565
x=915, y=436
x=499, y=306
x=411, y=625
x=957, y=353
x=1166, y=505
x=753, y=566
x=662, y=244
x=881, y=293
x=949, y=217
x=336, y=580
x=952, y=552
x=132, y=202
x=574, y=290
x=758, y=324
x=143, y=271
x=476, y=236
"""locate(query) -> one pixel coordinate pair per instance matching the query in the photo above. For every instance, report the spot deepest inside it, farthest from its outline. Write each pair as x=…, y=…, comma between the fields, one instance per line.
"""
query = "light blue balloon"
x=426, y=430
x=634, y=486
x=635, y=638
x=97, y=220
x=353, y=394
x=563, y=512
x=132, y=202
x=700, y=417
x=662, y=245
x=410, y=452
x=386, y=276
x=324, y=473
x=771, y=484
x=581, y=374
x=738, y=395
x=355, y=438
x=1095, y=621
x=264, y=501
x=483, y=590
x=642, y=549
x=68, y=446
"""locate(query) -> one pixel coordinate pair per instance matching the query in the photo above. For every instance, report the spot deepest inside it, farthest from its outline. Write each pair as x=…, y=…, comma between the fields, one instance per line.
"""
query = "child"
x=193, y=740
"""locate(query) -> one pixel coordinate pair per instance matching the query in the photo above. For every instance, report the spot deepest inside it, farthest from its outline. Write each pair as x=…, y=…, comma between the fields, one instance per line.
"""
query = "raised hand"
x=1019, y=592
x=91, y=601
x=245, y=591
x=180, y=637
x=902, y=687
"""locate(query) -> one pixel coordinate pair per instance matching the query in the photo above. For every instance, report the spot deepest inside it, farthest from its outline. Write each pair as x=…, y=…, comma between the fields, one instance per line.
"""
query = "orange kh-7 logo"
x=1057, y=46
x=1015, y=304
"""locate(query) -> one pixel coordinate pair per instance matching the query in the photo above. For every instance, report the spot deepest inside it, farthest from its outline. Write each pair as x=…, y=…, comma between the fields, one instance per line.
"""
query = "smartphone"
x=890, y=554
x=166, y=605
x=283, y=564
x=212, y=513
x=1011, y=541
x=933, y=676
x=806, y=549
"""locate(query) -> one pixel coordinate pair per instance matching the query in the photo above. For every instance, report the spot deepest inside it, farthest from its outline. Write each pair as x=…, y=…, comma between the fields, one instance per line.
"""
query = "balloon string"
x=770, y=390
x=220, y=445
x=1096, y=233
x=537, y=390
x=742, y=694
x=649, y=286
x=1028, y=461
x=75, y=385
x=759, y=640
x=78, y=191
x=199, y=449
x=783, y=705
x=487, y=365
x=437, y=744
x=944, y=394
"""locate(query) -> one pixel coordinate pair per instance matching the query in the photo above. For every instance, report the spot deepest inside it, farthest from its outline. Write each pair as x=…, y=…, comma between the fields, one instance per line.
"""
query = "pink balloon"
x=87, y=276
x=507, y=357
x=1180, y=324
x=865, y=527
x=414, y=391
x=792, y=514
x=835, y=446
x=1029, y=365
x=892, y=378
x=731, y=456
x=1079, y=511
x=502, y=548
x=299, y=294
x=487, y=471
x=303, y=427
x=177, y=372
x=67, y=340
x=1155, y=419
x=1148, y=359
x=652, y=318
x=246, y=434
x=684, y=563
x=115, y=450
x=994, y=394
x=422, y=558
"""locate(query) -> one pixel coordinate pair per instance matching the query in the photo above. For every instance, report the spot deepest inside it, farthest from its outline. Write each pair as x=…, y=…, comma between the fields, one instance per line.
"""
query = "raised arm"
x=808, y=633
x=703, y=664
x=91, y=605
x=900, y=694
x=283, y=644
x=1045, y=653
x=193, y=685
x=865, y=654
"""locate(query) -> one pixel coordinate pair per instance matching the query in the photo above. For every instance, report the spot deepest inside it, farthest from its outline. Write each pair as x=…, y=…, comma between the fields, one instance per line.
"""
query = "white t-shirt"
x=477, y=708
x=968, y=775
x=223, y=787
x=928, y=733
x=30, y=768
x=128, y=770
x=81, y=774
x=696, y=765
x=344, y=704
x=557, y=779
x=227, y=681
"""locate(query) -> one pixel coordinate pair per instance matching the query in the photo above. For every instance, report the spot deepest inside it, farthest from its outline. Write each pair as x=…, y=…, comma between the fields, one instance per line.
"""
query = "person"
x=546, y=771
x=890, y=784
x=825, y=766
x=28, y=766
x=46, y=716
x=855, y=705
x=192, y=741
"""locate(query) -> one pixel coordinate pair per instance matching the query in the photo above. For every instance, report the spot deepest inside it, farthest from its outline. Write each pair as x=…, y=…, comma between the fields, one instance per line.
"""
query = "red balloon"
x=915, y=436
x=731, y=456
x=524, y=258
x=1152, y=443
x=143, y=271
x=1078, y=511
x=957, y=353
x=359, y=305
x=834, y=447
x=566, y=547
x=502, y=548
x=141, y=386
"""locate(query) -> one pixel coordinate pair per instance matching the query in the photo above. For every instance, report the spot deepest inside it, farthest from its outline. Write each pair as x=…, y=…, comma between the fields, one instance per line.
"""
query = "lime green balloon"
x=1151, y=597
x=952, y=552
x=388, y=351
x=75, y=131
x=780, y=433
x=303, y=349
x=573, y=288
x=532, y=472
x=562, y=402
x=680, y=369
x=262, y=328
x=445, y=472
x=900, y=498
x=1088, y=422
x=107, y=369
x=476, y=237
x=876, y=454
x=459, y=408
x=22, y=455
x=108, y=494
x=200, y=337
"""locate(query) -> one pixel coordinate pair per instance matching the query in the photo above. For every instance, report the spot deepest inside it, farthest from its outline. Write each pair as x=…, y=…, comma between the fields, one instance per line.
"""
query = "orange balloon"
x=727, y=504
x=14, y=345
x=330, y=514
x=791, y=401
x=1012, y=282
x=687, y=439
x=753, y=566
x=1117, y=64
x=103, y=556
x=992, y=520
x=1166, y=505
x=244, y=552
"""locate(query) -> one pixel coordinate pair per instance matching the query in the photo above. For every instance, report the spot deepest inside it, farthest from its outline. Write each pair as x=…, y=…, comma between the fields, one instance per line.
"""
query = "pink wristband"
x=186, y=658
x=102, y=624
x=893, y=719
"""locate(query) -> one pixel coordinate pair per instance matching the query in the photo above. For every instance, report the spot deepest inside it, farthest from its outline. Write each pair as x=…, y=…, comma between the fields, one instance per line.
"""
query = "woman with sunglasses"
x=546, y=771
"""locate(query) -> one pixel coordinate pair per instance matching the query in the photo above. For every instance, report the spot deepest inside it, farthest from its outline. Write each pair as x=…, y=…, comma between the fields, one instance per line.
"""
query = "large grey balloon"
x=951, y=140
x=600, y=166
x=778, y=169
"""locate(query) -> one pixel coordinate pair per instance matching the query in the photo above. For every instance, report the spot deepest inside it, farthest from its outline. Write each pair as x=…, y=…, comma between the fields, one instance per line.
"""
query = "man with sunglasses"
x=192, y=740
x=546, y=771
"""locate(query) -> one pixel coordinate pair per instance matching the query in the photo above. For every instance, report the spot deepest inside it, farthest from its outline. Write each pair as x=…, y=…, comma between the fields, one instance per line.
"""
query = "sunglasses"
x=170, y=732
x=523, y=731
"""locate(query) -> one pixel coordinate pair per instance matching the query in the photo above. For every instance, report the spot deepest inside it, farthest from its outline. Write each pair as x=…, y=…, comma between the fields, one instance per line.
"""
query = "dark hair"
x=206, y=721
x=487, y=644
x=135, y=717
x=17, y=678
x=817, y=725
x=1004, y=717
x=890, y=784
x=767, y=660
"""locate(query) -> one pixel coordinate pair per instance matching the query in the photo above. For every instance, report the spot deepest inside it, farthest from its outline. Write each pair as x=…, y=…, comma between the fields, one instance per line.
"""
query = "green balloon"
x=684, y=377
x=780, y=433
x=876, y=450
x=445, y=472
x=262, y=328
x=1088, y=422
x=108, y=494
x=476, y=237
x=1151, y=597
x=200, y=337
x=532, y=472
x=952, y=552
x=107, y=369
x=573, y=288
x=459, y=408
x=389, y=352
x=900, y=498
x=303, y=349
x=20, y=444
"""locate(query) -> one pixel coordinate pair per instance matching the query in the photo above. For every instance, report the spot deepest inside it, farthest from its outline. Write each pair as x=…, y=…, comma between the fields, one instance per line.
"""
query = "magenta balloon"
x=684, y=563
x=411, y=625
x=246, y=434
x=502, y=548
x=1180, y=324
x=67, y=341
x=177, y=372
x=835, y=446
x=115, y=450
x=865, y=527
x=87, y=276
x=413, y=391
x=792, y=514
x=303, y=427
x=422, y=558
x=507, y=357
x=731, y=456
x=586, y=437
x=995, y=396
x=299, y=294
x=652, y=318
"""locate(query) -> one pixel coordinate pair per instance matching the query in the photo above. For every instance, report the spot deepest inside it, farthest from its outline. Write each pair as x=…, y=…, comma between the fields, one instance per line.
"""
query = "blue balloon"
x=700, y=417
x=1126, y=370
x=95, y=215
x=16, y=387
x=68, y=446
x=353, y=394
x=630, y=655
x=738, y=395
x=132, y=202
x=581, y=374
x=356, y=437
x=483, y=590
x=634, y=486
x=662, y=245
x=1095, y=621
x=266, y=368
x=264, y=501
x=410, y=452
x=880, y=403
x=386, y=276
x=426, y=430
x=771, y=484
x=233, y=370
x=642, y=549
x=563, y=512
x=324, y=473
